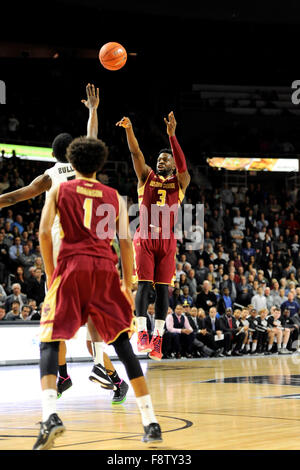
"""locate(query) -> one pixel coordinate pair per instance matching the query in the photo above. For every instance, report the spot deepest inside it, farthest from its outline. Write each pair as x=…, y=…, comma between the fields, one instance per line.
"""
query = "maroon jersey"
x=159, y=199
x=88, y=211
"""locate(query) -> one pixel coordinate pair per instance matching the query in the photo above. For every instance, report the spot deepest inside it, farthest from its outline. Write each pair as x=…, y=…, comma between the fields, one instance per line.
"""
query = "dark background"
x=177, y=45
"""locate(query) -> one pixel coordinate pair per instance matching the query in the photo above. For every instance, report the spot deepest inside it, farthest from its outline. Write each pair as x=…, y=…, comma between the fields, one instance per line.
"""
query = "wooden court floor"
x=241, y=403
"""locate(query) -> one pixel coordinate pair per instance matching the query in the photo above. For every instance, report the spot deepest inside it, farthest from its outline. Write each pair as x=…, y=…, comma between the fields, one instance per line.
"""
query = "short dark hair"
x=165, y=151
x=60, y=145
x=87, y=155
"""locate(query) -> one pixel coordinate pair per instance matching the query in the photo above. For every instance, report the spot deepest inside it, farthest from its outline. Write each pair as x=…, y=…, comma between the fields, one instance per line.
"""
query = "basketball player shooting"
x=160, y=193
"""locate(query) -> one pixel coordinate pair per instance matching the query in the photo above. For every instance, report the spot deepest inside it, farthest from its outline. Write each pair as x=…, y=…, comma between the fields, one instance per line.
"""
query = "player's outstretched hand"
x=125, y=122
x=171, y=124
x=92, y=95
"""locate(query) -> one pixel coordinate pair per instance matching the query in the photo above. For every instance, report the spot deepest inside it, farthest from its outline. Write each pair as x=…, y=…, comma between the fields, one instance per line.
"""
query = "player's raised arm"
x=140, y=167
x=126, y=249
x=92, y=103
x=39, y=185
x=180, y=162
x=45, y=236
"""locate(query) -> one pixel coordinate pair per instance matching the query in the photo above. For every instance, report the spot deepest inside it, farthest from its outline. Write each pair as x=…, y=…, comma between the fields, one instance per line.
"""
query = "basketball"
x=113, y=56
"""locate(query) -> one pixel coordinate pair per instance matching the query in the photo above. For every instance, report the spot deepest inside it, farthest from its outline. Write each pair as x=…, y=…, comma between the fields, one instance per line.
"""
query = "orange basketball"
x=113, y=56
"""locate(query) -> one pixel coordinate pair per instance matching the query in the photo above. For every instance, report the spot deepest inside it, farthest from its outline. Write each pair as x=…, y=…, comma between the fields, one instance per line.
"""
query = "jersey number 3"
x=162, y=197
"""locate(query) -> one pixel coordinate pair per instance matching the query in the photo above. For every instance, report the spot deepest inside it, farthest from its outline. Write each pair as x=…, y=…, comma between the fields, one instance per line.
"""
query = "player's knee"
x=126, y=355
x=49, y=358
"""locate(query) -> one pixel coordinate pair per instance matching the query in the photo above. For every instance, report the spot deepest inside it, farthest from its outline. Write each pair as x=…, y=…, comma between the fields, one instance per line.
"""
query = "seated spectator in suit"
x=16, y=295
x=185, y=297
x=14, y=313
x=199, y=332
x=228, y=325
x=206, y=298
x=178, y=334
x=282, y=334
x=218, y=338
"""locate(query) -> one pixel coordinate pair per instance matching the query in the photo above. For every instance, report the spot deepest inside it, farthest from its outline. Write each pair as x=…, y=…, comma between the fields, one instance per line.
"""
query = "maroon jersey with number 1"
x=86, y=281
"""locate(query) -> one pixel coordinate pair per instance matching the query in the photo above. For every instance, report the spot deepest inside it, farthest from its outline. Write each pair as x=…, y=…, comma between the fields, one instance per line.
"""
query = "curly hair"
x=60, y=145
x=87, y=155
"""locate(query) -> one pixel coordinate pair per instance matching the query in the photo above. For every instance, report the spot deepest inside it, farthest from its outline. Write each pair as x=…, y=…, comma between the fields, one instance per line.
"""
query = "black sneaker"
x=63, y=384
x=50, y=430
x=152, y=433
x=120, y=394
x=100, y=376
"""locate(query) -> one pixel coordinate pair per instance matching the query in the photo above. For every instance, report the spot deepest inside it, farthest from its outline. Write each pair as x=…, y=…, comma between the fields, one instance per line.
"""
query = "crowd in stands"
x=248, y=270
x=247, y=274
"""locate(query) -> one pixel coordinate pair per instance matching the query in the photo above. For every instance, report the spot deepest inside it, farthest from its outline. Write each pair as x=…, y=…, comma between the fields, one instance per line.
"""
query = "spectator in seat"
x=206, y=298
x=16, y=295
x=199, y=349
x=178, y=334
x=219, y=339
x=25, y=313
x=259, y=301
x=15, y=250
x=35, y=312
x=228, y=324
x=27, y=259
x=36, y=286
x=201, y=271
x=224, y=301
x=290, y=304
x=14, y=313
x=185, y=298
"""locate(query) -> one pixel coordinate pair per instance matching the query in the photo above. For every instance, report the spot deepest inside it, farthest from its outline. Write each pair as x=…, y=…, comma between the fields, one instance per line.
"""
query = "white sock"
x=254, y=346
x=159, y=326
x=284, y=345
x=141, y=323
x=247, y=347
x=98, y=348
x=146, y=409
x=49, y=398
x=270, y=347
x=243, y=346
x=279, y=345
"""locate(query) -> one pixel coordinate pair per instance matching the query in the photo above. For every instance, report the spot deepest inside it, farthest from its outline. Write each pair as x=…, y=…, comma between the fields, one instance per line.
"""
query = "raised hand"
x=171, y=124
x=125, y=122
x=92, y=94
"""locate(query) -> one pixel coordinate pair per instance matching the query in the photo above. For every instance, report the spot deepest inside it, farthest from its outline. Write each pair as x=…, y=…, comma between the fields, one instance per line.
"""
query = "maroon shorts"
x=82, y=286
x=155, y=259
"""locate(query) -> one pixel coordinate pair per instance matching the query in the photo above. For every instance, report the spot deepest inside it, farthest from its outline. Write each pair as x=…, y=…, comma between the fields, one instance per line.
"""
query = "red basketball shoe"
x=155, y=345
x=143, y=342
